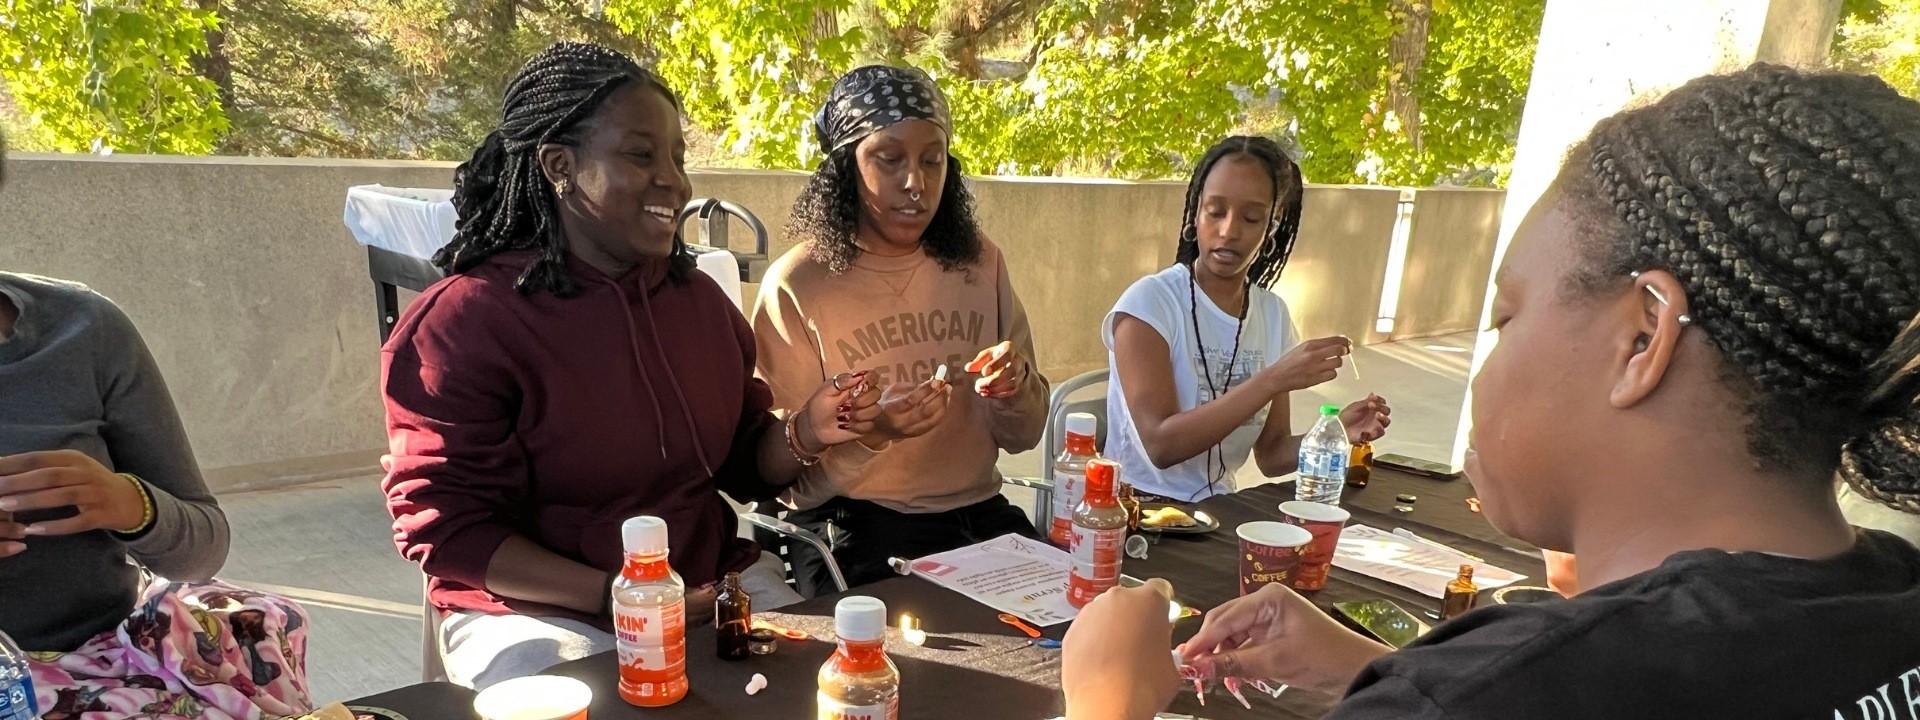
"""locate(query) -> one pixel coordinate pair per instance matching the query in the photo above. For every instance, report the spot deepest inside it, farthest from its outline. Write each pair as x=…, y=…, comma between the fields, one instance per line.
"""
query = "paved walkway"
x=329, y=545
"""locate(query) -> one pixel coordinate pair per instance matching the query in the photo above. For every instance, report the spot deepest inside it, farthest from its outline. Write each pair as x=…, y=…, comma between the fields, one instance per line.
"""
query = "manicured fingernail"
x=844, y=418
x=846, y=408
x=844, y=426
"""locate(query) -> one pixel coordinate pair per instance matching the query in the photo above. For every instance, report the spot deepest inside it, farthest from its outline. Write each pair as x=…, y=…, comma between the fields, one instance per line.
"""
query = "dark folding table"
x=973, y=666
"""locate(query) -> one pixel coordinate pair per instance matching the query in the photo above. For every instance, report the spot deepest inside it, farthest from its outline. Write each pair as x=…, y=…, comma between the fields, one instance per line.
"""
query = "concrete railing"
x=257, y=304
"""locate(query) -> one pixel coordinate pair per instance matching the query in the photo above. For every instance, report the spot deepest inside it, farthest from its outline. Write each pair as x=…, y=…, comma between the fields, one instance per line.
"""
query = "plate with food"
x=1175, y=520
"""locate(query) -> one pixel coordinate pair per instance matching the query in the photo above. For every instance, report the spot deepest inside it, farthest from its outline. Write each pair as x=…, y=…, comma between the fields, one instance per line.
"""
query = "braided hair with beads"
x=501, y=194
x=1282, y=228
x=1788, y=205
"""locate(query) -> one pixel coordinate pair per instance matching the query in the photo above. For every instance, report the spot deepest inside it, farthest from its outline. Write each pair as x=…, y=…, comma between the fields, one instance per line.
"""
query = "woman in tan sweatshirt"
x=892, y=277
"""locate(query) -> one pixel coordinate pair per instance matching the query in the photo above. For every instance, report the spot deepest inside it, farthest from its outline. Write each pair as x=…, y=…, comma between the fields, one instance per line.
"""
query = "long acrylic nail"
x=846, y=408
x=844, y=426
x=845, y=418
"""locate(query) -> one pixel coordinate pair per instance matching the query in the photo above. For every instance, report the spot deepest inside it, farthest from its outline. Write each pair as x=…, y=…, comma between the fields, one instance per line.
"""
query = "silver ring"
x=836, y=382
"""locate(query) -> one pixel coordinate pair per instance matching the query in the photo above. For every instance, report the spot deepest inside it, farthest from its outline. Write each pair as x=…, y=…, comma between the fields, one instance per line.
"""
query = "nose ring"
x=915, y=196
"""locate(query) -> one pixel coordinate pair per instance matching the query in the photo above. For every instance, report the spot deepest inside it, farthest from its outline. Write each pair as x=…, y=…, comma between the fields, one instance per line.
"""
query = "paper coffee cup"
x=538, y=697
x=1324, y=522
x=1269, y=553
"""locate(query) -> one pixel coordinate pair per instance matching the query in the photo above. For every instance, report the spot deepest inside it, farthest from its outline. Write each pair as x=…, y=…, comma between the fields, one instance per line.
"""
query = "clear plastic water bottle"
x=16, y=683
x=1323, y=459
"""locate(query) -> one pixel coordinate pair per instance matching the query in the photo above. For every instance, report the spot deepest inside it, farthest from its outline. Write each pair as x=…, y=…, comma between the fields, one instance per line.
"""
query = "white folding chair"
x=1053, y=439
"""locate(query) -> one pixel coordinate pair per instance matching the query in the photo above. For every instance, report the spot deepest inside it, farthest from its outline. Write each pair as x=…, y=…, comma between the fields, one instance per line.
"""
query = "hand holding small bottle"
x=1367, y=420
x=909, y=410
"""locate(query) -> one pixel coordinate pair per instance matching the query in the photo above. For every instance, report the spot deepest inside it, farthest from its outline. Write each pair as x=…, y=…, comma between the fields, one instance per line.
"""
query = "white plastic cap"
x=1082, y=424
x=860, y=619
x=645, y=534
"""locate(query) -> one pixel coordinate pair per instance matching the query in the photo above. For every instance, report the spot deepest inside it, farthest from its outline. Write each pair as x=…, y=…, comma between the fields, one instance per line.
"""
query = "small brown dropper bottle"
x=733, y=616
x=1461, y=593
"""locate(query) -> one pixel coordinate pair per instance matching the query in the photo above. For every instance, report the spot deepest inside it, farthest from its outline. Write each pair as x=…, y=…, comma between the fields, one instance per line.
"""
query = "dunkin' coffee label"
x=1067, y=489
x=1096, y=563
x=652, y=645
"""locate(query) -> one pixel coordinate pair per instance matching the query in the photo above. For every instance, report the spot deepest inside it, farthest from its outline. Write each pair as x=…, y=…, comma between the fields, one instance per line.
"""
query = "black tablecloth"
x=1204, y=569
x=974, y=666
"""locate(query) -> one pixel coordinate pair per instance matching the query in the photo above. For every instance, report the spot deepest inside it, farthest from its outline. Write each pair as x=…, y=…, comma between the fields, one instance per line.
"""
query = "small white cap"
x=1082, y=424
x=860, y=619
x=644, y=534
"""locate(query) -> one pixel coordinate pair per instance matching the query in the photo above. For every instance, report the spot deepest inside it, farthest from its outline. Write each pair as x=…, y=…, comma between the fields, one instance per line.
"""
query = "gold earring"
x=563, y=187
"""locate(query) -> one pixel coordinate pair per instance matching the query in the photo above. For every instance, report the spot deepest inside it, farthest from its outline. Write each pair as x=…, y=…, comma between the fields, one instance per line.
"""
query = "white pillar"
x=1598, y=56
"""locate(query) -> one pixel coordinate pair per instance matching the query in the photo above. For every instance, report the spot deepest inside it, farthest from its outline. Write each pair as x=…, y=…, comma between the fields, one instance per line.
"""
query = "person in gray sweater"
x=94, y=466
x=98, y=491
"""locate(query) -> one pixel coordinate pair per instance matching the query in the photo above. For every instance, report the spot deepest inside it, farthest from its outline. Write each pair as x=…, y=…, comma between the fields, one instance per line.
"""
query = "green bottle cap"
x=1327, y=410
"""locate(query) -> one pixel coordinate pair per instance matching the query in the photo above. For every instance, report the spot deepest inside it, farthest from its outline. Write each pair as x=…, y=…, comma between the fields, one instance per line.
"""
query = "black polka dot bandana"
x=869, y=99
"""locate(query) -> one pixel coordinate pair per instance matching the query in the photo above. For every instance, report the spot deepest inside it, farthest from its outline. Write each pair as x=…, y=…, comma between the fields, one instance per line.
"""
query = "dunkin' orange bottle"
x=1070, y=475
x=1099, y=531
x=859, y=682
x=650, y=618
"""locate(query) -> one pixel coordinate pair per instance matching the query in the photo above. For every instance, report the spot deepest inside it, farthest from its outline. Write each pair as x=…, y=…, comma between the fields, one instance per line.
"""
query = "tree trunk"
x=961, y=22
x=217, y=66
x=826, y=24
x=1406, y=55
x=505, y=16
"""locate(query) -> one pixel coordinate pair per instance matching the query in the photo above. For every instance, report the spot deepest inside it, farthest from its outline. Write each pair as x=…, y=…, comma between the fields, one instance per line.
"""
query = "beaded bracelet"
x=146, y=505
x=793, y=445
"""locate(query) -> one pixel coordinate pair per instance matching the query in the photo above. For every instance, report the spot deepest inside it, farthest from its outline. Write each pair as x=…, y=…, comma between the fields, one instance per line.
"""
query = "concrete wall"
x=257, y=304
x=1449, y=258
x=1333, y=279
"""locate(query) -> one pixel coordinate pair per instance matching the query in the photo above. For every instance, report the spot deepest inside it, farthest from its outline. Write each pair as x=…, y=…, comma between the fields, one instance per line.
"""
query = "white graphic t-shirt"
x=1161, y=300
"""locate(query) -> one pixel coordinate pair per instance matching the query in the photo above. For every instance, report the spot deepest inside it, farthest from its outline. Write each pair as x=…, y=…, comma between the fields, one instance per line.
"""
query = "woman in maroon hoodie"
x=573, y=371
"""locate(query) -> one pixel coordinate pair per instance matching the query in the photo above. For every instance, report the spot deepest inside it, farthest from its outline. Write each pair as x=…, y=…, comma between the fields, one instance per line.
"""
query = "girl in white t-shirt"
x=1204, y=354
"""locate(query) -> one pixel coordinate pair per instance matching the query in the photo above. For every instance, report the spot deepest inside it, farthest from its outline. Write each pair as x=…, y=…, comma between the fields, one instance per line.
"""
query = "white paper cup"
x=1269, y=553
x=538, y=697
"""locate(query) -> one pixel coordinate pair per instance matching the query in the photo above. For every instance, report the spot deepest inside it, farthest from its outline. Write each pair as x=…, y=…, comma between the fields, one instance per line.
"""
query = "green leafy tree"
x=381, y=78
x=1123, y=87
x=751, y=71
x=110, y=76
x=1117, y=88
x=1881, y=37
x=1388, y=91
